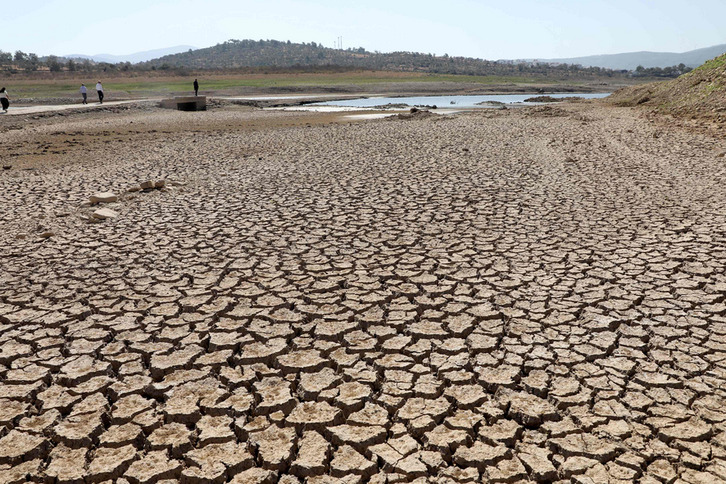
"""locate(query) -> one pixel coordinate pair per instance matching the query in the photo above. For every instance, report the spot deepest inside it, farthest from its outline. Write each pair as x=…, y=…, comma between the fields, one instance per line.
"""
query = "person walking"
x=99, y=90
x=4, y=100
x=196, y=88
x=84, y=93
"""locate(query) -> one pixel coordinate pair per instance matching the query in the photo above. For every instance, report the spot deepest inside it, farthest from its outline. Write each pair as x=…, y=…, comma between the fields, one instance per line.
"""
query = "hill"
x=631, y=60
x=133, y=58
x=277, y=54
x=700, y=93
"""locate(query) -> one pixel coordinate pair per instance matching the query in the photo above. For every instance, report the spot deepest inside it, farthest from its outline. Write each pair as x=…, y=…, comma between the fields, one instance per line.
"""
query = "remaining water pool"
x=459, y=102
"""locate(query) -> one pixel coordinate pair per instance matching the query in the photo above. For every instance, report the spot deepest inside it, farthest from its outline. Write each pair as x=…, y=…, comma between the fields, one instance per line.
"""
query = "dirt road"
x=500, y=296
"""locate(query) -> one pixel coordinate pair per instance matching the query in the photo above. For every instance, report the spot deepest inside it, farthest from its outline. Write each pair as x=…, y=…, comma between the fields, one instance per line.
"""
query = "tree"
x=20, y=56
x=54, y=64
x=33, y=62
x=6, y=58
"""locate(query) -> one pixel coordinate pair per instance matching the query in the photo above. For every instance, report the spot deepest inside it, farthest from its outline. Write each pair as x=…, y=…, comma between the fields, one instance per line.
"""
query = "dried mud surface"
x=513, y=296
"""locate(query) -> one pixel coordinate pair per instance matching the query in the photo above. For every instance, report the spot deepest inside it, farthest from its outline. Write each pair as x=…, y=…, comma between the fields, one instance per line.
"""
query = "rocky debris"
x=104, y=213
x=103, y=197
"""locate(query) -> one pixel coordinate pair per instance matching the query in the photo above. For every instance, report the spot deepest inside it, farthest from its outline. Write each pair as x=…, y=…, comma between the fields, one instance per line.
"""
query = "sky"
x=502, y=29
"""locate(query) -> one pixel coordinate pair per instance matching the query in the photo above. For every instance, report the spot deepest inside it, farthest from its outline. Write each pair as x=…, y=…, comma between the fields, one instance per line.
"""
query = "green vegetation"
x=669, y=72
x=699, y=94
x=715, y=63
x=148, y=86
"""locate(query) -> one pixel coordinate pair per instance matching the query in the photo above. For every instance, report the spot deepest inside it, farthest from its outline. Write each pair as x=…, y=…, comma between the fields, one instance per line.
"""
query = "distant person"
x=196, y=88
x=4, y=100
x=99, y=90
x=84, y=93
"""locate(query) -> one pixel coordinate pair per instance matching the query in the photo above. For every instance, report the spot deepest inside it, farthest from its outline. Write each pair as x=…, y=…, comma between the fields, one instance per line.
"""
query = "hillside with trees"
x=274, y=54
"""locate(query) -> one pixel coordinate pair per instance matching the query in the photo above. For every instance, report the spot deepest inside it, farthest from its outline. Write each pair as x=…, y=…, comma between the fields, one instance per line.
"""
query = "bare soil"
x=531, y=295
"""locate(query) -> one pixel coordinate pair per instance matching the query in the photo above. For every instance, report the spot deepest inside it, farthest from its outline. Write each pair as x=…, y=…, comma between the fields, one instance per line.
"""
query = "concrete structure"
x=186, y=103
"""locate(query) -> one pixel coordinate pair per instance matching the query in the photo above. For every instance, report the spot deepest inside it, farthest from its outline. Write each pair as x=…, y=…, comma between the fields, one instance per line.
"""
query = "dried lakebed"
x=501, y=296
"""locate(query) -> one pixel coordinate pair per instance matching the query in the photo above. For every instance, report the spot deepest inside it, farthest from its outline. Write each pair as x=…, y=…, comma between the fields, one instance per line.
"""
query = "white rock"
x=104, y=213
x=104, y=197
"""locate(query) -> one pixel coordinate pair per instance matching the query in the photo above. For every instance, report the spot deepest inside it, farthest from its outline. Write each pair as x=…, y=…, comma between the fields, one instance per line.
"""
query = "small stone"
x=104, y=213
x=103, y=197
x=146, y=185
x=160, y=184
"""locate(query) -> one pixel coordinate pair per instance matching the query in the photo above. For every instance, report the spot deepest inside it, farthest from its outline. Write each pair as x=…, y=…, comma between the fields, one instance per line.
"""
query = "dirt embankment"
x=699, y=95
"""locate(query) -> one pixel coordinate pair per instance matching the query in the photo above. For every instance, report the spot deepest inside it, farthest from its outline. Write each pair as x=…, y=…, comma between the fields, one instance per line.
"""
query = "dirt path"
x=19, y=110
x=503, y=296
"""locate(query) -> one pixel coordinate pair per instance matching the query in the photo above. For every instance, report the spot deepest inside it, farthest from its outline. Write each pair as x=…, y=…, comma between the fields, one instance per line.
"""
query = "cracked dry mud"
x=532, y=295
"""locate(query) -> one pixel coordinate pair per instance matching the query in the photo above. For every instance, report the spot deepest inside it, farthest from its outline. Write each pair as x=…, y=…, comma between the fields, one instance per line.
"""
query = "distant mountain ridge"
x=631, y=60
x=134, y=58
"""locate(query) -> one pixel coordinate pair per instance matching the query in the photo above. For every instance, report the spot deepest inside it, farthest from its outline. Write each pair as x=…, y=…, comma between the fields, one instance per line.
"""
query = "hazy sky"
x=486, y=29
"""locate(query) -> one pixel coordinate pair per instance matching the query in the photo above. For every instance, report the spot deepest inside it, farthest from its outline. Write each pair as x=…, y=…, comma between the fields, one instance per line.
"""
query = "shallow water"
x=451, y=101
